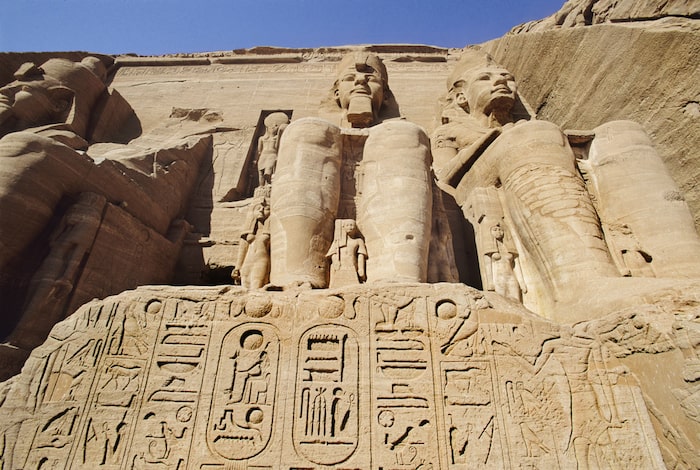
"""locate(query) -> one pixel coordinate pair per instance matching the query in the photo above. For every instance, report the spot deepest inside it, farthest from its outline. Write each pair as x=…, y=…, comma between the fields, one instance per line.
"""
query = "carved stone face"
x=32, y=105
x=497, y=232
x=354, y=82
x=488, y=89
x=349, y=227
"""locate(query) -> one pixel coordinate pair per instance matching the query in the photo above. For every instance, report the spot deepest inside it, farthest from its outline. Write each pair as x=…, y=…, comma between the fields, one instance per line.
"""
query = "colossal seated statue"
x=524, y=175
x=386, y=185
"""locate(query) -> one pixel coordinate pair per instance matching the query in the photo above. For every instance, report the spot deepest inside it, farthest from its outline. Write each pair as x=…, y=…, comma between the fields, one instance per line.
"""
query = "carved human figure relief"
x=347, y=254
x=50, y=287
x=253, y=265
x=502, y=265
x=268, y=145
x=629, y=256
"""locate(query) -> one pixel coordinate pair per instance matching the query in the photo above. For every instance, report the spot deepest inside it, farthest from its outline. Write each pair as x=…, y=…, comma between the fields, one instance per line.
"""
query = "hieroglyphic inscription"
x=326, y=404
x=164, y=433
x=468, y=402
x=63, y=376
x=453, y=383
x=403, y=409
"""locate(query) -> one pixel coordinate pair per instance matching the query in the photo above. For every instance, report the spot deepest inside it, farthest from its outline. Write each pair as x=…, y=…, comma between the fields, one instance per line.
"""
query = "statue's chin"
x=501, y=104
x=360, y=112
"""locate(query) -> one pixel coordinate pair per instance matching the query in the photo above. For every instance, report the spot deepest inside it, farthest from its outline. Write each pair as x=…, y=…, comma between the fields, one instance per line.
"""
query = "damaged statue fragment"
x=71, y=188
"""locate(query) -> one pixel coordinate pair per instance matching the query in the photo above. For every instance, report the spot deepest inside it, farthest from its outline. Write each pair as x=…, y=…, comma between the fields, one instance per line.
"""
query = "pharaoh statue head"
x=361, y=88
x=479, y=86
x=58, y=91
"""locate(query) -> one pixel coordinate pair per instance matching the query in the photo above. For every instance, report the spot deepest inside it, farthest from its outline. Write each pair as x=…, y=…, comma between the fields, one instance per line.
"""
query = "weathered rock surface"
x=587, y=12
x=204, y=377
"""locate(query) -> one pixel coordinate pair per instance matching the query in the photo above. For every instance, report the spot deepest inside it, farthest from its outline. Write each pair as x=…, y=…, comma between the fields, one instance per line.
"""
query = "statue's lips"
x=502, y=89
x=360, y=91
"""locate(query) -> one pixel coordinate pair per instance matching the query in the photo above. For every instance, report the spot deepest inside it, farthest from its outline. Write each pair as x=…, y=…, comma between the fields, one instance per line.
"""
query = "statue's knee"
x=311, y=131
x=398, y=134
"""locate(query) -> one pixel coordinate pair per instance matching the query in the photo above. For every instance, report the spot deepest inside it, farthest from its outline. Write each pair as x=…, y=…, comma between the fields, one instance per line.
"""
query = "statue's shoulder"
x=458, y=133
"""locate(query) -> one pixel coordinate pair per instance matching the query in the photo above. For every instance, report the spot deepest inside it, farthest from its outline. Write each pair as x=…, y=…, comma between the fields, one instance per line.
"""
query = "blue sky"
x=167, y=26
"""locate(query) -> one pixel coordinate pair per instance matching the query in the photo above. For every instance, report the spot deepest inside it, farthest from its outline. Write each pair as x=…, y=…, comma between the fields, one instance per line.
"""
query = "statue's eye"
x=349, y=77
x=484, y=76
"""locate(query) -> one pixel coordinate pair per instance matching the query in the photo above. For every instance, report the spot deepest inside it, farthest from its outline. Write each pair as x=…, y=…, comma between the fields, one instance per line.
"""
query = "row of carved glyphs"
x=163, y=389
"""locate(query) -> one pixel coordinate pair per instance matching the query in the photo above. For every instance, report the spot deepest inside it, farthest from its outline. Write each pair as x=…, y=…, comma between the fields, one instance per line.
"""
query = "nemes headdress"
x=471, y=61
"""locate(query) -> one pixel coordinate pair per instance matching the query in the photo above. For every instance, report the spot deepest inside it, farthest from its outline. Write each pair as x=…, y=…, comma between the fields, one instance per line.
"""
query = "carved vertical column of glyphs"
x=403, y=414
x=164, y=431
x=238, y=411
x=114, y=407
x=325, y=415
x=49, y=401
x=467, y=400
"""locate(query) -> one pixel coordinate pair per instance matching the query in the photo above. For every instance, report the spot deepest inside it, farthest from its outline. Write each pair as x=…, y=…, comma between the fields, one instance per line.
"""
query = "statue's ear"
x=461, y=99
x=62, y=100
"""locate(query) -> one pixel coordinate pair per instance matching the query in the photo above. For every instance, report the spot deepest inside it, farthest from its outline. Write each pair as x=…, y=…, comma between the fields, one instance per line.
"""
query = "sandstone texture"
x=367, y=257
x=405, y=376
x=646, y=71
x=587, y=12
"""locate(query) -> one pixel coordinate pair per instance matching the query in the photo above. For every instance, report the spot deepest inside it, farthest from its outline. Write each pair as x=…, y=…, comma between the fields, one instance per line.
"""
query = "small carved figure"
x=631, y=259
x=254, y=255
x=347, y=254
x=503, y=273
x=102, y=442
x=250, y=370
x=268, y=145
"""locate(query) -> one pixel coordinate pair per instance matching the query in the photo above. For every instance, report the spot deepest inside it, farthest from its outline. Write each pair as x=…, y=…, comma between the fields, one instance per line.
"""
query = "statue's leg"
x=634, y=188
x=547, y=201
x=304, y=202
x=395, y=204
x=35, y=173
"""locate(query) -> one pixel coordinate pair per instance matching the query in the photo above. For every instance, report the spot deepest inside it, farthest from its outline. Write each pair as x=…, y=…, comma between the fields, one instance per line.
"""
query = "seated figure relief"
x=389, y=185
x=560, y=222
x=254, y=254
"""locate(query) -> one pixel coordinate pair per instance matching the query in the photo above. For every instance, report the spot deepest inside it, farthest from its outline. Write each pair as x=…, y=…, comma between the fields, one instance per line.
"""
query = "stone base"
x=396, y=376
